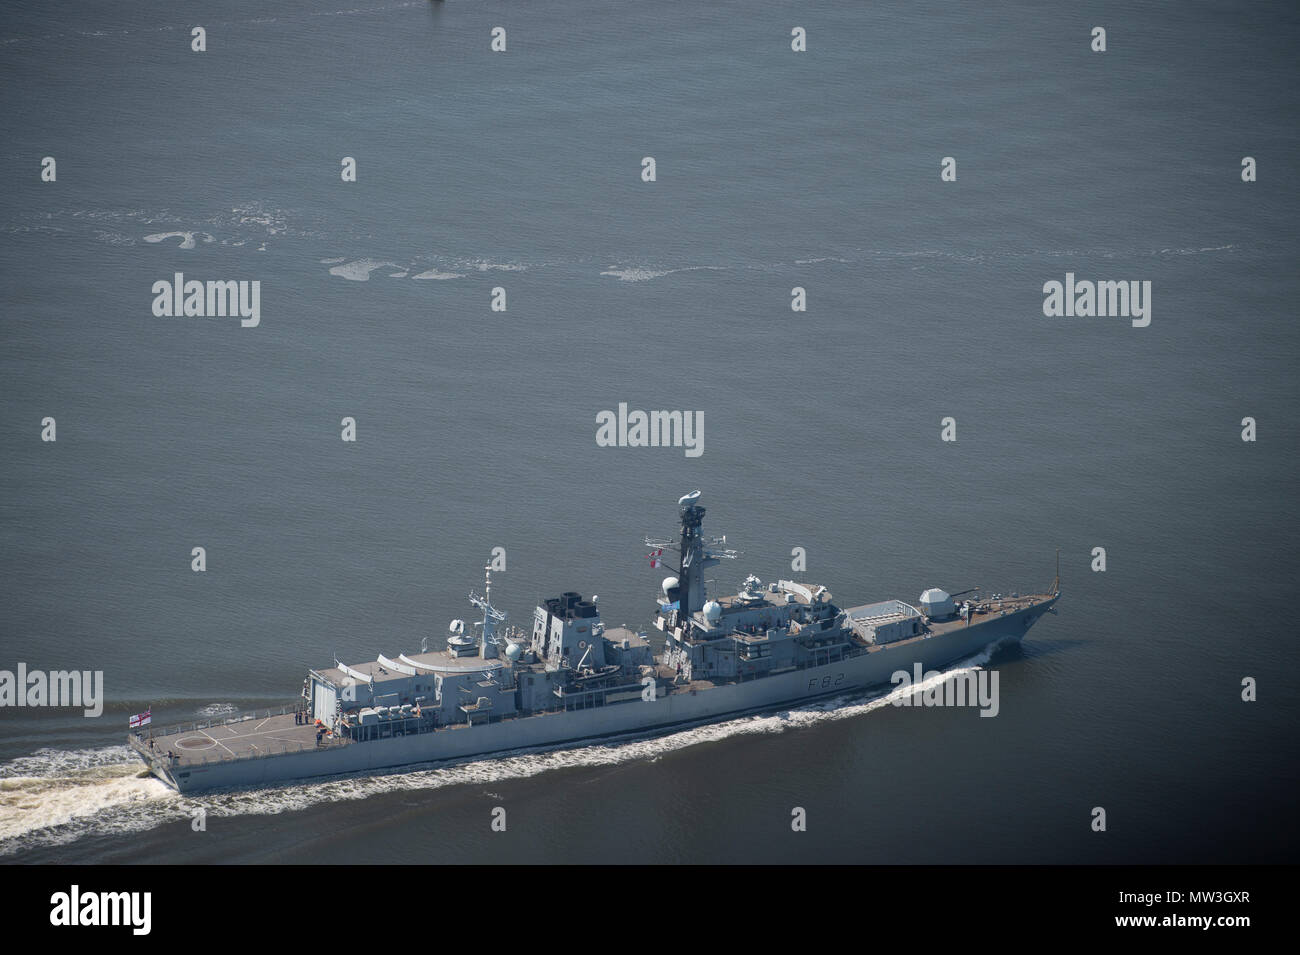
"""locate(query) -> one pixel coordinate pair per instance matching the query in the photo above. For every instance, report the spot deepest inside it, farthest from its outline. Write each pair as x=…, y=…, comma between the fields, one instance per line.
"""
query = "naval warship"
x=573, y=679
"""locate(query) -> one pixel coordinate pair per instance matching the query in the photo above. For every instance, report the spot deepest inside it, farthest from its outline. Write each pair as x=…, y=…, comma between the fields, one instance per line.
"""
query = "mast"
x=691, y=581
x=697, y=553
x=491, y=616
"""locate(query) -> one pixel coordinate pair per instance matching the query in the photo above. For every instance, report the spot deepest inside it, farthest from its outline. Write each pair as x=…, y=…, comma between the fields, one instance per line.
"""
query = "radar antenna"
x=715, y=548
x=491, y=616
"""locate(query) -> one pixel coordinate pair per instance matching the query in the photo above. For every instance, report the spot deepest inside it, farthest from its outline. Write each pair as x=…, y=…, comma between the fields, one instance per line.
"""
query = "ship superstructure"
x=571, y=678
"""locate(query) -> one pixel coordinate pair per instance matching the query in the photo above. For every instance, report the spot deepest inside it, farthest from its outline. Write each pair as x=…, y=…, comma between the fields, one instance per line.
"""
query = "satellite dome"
x=670, y=583
x=513, y=652
x=713, y=611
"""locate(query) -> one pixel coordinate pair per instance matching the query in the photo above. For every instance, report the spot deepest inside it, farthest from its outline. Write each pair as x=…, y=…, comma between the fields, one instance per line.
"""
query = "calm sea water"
x=774, y=169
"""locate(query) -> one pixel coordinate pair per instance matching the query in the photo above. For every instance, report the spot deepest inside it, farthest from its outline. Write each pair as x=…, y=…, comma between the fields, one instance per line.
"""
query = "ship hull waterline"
x=667, y=713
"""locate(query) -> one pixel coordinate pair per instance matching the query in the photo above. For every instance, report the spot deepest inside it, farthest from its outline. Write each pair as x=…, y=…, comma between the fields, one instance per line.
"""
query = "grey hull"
x=621, y=719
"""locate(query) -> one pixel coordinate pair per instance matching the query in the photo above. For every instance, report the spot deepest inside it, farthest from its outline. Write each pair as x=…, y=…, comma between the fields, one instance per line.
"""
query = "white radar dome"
x=670, y=583
x=713, y=611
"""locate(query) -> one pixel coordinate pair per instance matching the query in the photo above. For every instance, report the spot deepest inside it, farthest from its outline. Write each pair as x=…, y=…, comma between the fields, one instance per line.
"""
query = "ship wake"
x=52, y=797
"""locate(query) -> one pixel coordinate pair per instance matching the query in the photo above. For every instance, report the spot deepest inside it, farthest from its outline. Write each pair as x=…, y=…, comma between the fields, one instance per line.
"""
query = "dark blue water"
x=521, y=170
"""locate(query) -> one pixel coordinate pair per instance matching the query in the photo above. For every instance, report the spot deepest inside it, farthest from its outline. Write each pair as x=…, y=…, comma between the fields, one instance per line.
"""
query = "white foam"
x=187, y=238
x=483, y=266
x=359, y=271
x=218, y=709
x=441, y=276
x=114, y=238
x=633, y=274
x=57, y=796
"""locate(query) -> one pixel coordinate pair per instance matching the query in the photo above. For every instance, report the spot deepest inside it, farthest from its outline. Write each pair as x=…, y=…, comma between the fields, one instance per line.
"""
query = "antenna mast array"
x=491, y=615
x=697, y=553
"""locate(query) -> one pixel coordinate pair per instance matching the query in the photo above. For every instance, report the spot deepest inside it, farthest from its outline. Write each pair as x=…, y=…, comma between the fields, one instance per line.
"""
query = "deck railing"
x=149, y=732
x=141, y=745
